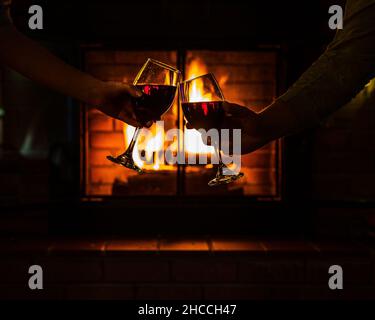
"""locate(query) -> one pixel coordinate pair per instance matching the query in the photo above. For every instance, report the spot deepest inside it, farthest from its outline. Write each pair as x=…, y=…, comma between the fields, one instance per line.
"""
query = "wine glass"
x=202, y=101
x=158, y=82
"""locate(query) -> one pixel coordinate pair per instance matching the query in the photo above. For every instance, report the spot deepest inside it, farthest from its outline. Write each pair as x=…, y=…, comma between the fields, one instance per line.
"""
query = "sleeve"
x=5, y=18
x=337, y=76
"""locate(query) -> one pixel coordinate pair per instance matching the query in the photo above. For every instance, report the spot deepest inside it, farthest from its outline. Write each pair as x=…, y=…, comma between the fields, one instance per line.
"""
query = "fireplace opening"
x=248, y=78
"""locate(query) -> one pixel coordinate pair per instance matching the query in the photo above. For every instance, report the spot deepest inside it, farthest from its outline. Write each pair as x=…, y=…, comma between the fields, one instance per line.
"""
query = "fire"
x=197, y=68
x=151, y=144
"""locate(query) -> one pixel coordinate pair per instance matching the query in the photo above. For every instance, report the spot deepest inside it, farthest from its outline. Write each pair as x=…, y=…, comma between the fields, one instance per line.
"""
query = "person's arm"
x=35, y=62
x=337, y=78
x=333, y=80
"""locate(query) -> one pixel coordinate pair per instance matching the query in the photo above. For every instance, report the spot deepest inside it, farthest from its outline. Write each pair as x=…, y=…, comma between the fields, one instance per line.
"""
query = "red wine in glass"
x=155, y=101
x=204, y=114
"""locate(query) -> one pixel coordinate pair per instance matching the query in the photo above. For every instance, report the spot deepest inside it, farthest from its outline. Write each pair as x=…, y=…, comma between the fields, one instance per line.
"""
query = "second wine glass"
x=158, y=82
x=202, y=102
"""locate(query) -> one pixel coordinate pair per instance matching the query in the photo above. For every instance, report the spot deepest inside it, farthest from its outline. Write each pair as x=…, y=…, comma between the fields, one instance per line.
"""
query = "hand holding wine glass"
x=116, y=100
x=239, y=117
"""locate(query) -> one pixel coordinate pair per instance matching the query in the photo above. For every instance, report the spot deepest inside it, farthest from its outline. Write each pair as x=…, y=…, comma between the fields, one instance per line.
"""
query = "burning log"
x=151, y=183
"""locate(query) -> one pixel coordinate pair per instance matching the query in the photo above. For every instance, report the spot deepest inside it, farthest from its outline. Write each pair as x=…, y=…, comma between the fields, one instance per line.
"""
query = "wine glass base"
x=224, y=179
x=126, y=161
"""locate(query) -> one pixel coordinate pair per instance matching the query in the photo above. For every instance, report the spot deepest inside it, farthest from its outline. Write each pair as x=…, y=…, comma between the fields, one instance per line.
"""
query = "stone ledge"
x=165, y=245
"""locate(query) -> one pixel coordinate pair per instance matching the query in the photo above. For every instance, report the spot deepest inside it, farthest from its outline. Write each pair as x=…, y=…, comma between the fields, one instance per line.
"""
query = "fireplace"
x=246, y=77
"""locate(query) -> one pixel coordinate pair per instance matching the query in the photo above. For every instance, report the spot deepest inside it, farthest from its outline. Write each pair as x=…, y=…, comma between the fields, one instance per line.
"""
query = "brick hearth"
x=213, y=268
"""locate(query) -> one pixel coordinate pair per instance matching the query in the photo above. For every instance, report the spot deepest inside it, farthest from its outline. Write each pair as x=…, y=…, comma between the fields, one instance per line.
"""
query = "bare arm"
x=336, y=79
x=38, y=64
x=35, y=62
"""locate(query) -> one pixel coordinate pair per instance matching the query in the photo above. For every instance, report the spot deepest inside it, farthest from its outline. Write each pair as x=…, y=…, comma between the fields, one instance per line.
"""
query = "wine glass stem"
x=129, y=150
x=221, y=164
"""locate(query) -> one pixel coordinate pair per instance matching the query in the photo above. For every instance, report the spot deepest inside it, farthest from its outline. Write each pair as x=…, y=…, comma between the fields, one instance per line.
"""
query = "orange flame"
x=150, y=143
